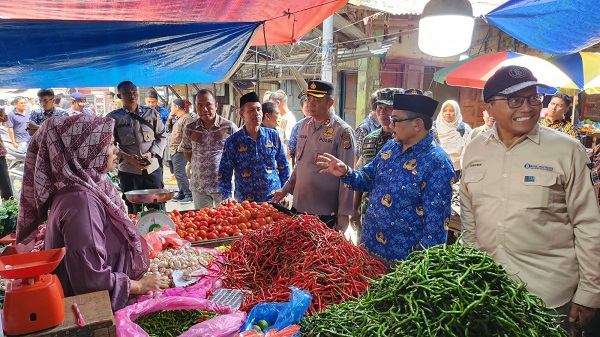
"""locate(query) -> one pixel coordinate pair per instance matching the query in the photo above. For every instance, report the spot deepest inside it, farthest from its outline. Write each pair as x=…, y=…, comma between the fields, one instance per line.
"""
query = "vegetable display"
x=187, y=259
x=301, y=252
x=223, y=221
x=441, y=291
x=8, y=217
x=173, y=322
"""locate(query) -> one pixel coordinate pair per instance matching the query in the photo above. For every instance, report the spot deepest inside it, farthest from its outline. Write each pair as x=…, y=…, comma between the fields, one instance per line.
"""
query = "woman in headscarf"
x=66, y=183
x=452, y=132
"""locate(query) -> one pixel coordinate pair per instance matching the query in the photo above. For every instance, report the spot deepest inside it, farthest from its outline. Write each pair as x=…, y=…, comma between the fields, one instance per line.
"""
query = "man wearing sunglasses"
x=409, y=181
x=46, y=110
x=528, y=200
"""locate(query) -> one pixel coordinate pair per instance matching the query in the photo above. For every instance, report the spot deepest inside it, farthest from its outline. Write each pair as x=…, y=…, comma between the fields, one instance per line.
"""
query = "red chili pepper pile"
x=299, y=251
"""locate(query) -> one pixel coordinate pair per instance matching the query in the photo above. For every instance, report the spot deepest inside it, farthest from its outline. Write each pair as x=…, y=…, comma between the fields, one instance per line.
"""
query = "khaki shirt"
x=133, y=137
x=314, y=192
x=533, y=208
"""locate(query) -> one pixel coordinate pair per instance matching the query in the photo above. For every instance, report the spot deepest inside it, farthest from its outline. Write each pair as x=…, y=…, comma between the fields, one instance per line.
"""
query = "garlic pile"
x=186, y=259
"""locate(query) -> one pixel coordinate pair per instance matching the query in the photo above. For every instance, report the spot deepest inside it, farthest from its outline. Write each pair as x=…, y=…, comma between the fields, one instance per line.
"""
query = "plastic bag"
x=225, y=325
x=162, y=238
x=280, y=315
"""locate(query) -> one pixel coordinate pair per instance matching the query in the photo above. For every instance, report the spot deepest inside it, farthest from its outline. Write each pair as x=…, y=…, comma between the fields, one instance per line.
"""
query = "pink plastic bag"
x=225, y=325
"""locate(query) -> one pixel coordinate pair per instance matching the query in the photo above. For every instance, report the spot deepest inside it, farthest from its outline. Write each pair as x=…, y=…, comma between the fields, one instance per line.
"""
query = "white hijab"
x=450, y=139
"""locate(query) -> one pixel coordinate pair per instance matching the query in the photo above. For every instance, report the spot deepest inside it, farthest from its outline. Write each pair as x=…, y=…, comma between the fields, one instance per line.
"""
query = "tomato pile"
x=224, y=221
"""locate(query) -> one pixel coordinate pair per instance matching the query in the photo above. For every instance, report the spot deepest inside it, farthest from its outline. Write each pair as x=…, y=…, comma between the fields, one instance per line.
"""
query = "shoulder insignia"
x=381, y=238
x=385, y=155
x=242, y=148
x=327, y=121
x=246, y=174
x=410, y=164
x=268, y=144
x=419, y=211
x=347, y=144
x=386, y=200
x=346, y=135
x=328, y=132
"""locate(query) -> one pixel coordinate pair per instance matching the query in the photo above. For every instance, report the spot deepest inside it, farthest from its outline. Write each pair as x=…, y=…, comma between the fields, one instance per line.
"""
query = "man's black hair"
x=124, y=83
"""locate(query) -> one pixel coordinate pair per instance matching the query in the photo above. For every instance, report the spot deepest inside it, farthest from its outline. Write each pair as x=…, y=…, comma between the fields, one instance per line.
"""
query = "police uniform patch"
x=328, y=133
x=386, y=200
x=385, y=155
x=268, y=144
x=246, y=174
x=347, y=144
x=346, y=135
x=242, y=148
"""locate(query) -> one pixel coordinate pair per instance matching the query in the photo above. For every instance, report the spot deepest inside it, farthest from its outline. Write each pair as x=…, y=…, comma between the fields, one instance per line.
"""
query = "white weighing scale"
x=151, y=219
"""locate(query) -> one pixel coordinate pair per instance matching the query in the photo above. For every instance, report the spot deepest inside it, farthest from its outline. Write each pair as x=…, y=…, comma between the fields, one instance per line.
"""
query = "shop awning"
x=554, y=26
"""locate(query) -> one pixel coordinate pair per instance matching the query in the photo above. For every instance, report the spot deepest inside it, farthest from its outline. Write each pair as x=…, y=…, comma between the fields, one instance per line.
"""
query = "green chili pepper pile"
x=173, y=322
x=440, y=291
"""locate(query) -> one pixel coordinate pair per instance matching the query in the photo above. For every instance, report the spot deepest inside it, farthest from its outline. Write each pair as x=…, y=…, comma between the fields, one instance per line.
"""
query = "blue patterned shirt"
x=260, y=166
x=293, y=141
x=410, y=195
x=38, y=116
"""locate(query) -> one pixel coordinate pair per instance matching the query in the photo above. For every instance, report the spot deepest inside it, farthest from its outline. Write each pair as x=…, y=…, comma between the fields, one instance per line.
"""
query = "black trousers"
x=144, y=181
x=5, y=188
x=329, y=220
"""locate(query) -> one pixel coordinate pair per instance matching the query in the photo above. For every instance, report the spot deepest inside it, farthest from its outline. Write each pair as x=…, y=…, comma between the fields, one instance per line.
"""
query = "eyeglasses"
x=517, y=101
x=394, y=121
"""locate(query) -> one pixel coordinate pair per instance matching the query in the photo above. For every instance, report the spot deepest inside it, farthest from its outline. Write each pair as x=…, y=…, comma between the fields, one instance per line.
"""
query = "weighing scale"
x=151, y=219
x=34, y=299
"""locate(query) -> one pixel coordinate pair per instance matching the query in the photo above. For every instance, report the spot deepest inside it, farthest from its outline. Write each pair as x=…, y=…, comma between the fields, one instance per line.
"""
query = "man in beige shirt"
x=528, y=200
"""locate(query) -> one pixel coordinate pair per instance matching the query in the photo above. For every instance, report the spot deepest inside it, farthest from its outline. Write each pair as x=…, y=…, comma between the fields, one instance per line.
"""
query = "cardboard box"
x=97, y=314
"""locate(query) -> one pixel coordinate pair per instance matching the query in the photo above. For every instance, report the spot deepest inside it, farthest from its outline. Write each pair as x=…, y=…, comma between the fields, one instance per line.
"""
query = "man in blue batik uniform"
x=257, y=156
x=410, y=184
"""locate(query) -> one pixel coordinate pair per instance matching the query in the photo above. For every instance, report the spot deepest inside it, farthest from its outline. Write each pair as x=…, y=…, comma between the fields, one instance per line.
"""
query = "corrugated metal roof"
x=403, y=7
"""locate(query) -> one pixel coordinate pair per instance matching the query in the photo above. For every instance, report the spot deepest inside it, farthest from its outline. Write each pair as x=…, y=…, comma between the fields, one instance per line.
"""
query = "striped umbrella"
x=475, y=71
x=583, y=68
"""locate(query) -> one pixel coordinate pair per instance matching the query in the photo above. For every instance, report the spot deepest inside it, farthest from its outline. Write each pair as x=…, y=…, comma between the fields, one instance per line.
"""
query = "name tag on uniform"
x=529, y=179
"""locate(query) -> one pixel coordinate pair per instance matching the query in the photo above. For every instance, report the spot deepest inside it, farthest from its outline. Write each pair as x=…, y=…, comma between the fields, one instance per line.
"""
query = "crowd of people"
x=528, y=192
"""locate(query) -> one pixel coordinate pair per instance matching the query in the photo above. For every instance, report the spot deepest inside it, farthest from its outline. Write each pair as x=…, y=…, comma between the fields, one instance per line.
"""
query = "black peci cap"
x=249, y=97
x=415, y=103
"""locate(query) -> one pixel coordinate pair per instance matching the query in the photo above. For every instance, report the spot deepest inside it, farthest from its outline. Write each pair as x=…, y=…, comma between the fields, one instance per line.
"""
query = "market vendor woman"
x=66, y=183
x=410, y=184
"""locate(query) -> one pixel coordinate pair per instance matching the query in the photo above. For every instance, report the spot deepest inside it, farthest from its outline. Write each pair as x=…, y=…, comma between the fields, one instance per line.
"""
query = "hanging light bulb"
x=446, y=27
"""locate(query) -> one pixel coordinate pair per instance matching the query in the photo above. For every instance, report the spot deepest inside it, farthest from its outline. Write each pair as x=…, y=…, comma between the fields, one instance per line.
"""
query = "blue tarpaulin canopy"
x=92, y=54
x=74, y=43
x=554, y=26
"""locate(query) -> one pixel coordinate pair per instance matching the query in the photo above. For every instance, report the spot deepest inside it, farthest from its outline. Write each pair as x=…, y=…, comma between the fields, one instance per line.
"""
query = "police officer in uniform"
x=321, y=131
x=140, y=137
